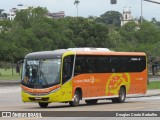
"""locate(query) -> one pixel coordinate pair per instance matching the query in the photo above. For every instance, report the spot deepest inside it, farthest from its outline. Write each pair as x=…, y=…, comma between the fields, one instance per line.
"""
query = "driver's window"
x=67, y=68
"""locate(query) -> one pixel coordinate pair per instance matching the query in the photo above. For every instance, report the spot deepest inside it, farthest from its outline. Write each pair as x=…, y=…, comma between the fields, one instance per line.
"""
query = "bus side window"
x=77, y=70
x=67, y=68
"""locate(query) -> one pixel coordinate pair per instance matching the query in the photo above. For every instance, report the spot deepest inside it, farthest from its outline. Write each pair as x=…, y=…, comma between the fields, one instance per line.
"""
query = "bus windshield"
x=41, y=73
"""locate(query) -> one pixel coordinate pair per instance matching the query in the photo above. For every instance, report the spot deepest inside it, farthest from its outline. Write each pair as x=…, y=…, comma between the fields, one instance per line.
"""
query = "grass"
x=7, y=74
x=154, y=85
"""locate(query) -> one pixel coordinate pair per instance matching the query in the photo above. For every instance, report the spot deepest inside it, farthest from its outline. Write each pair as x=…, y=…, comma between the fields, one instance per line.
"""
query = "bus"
x=75, y=74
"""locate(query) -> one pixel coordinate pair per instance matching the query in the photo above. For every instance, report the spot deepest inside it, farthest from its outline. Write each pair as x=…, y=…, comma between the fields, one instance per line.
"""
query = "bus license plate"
x=38, y=98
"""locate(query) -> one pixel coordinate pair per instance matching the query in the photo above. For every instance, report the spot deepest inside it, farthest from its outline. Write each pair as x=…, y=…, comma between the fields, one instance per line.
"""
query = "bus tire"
x=91, y=102
x=76, y=99
x=43, y=105
x=122, y=96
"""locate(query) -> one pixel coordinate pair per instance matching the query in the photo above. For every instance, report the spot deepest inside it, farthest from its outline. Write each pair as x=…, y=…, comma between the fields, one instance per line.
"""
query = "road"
x=10, y=100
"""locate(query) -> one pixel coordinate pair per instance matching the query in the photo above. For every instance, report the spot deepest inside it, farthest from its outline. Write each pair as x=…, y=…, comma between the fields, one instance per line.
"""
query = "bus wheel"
x=43, y=105
x=122, y=96
x=76, y=100
x=91, y=102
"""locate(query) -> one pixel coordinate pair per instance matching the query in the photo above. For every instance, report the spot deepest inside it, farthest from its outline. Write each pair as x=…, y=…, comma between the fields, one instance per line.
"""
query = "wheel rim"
x=76, y=100
x=122, y=95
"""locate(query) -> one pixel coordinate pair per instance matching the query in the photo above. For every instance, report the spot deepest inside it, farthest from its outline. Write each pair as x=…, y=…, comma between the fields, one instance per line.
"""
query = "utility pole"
x=147, y=1
x=152, y=1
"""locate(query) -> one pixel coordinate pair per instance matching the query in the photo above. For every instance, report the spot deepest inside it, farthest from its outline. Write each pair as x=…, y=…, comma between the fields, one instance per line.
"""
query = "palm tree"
x=76, y=2
x=1, y=14
x=1, y=10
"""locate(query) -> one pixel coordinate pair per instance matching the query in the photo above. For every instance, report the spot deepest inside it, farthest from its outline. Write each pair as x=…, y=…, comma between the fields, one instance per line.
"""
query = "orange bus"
x=90, y=74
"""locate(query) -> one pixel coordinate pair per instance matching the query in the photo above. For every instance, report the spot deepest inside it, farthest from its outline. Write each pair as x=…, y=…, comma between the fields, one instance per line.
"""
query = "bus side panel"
x=102, y=84
x=91, y=85
x=138, y=83
x=66, y=91
x=108, y=84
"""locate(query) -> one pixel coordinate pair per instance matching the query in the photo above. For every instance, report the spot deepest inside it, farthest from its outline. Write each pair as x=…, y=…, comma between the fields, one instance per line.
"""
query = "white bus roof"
x=91, y=49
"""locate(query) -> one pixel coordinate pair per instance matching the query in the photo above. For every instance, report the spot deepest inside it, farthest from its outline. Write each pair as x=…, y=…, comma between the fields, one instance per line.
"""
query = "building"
x=56, y=15
x=12, y=14
x=126, y=16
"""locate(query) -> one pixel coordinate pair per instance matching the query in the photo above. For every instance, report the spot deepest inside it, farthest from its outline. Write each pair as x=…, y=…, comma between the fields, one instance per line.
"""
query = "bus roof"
x=85, y=49
x=79, y=51
x=46, y=54
x=103, y=51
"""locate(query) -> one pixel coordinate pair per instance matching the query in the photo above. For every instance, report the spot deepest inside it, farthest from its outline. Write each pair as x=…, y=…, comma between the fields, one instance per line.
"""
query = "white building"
x=56, y=15
x=12, y=14
x=126, y=16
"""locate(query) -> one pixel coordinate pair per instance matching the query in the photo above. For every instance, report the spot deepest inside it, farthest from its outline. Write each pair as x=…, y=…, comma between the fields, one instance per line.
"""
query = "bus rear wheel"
x=43, y=105
x=122, y=96
x=76, y=100
x=91, y=102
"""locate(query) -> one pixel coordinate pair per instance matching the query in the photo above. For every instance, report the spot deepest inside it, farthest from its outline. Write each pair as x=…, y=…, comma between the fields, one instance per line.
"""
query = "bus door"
x=67, y=71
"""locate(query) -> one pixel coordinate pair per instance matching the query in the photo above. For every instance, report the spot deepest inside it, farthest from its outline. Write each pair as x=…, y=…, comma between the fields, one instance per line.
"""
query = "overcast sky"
x=89, y=7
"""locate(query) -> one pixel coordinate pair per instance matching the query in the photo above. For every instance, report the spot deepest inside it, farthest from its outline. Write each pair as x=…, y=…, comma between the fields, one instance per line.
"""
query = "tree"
x=1, y=10
x=76, y=2
x=3, y=15
x=153, y=20
x=110, y=17
x=25, y=17
x=116, y=41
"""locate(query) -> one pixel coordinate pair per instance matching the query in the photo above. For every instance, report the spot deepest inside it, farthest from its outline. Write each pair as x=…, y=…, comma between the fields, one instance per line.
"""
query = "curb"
x=6, y=82
x=138, y=96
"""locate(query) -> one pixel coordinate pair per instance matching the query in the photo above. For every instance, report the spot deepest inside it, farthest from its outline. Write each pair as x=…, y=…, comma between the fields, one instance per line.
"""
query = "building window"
x=126, y=17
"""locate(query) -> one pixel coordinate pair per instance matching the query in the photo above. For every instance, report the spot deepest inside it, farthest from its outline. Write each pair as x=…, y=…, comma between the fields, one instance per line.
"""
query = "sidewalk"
x=155, y=92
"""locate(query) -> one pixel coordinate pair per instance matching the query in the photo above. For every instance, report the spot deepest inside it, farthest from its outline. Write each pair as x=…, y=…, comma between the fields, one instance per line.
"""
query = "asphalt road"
x=10, y=100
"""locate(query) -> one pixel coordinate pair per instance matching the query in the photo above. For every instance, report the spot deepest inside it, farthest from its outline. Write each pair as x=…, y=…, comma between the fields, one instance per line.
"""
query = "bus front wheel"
x=43, y=105
x=122, y=96
x=76, y=100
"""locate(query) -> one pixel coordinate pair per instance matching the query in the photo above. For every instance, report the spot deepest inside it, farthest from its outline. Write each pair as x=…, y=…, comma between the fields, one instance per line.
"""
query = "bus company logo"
x=6, y=114
x=90, y=80
x=115, y=81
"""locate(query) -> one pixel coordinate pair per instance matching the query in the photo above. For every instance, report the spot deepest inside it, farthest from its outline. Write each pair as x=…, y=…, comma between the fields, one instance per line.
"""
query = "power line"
x=152, y=1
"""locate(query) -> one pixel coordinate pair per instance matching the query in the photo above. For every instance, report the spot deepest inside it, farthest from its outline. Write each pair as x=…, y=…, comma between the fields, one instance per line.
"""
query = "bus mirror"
x=17, y=68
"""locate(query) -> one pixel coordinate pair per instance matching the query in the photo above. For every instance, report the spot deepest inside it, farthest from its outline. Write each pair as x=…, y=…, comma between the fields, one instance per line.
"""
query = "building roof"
x=126, y=10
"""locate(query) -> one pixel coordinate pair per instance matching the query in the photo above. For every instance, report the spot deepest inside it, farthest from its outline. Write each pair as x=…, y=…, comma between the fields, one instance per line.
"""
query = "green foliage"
x=154, y=85
x=32, y=31
x=110, y=17
x=6, y=74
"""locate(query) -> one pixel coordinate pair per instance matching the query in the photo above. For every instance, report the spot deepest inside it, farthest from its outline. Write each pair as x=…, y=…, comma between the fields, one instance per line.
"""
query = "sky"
x=89, y=7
